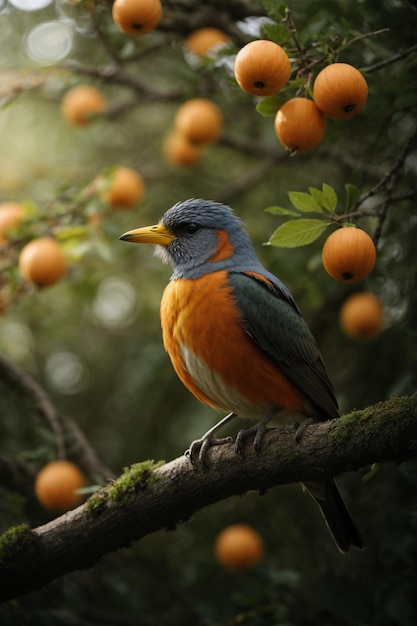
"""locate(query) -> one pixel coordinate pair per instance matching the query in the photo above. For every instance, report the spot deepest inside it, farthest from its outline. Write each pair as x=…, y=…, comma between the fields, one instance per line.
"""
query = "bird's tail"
x=337, y=517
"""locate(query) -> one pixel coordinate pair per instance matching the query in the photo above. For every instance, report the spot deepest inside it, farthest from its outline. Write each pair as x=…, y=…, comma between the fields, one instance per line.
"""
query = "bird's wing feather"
x=274, y=323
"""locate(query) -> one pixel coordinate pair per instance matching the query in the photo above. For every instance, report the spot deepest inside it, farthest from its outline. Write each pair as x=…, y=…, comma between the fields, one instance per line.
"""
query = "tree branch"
x=21, y=381
x=36, y=397
x=397, y=57
x=147, y=498
x=117, y=76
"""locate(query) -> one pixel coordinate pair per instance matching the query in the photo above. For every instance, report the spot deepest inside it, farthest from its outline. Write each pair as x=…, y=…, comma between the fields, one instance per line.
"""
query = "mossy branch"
x=149, y=497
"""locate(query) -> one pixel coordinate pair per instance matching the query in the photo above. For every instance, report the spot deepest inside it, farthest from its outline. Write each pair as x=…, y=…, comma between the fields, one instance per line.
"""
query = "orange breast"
x=201, y=317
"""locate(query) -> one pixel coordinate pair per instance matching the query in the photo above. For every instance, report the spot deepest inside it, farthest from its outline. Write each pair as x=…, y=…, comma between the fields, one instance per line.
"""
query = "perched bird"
x=236, y=337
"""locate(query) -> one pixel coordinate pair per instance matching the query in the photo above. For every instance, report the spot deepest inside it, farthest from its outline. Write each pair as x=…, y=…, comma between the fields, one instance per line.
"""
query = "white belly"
x=226, y=397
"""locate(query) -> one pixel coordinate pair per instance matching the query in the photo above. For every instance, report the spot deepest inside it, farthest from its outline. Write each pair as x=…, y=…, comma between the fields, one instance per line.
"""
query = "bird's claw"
x=197, y=452
x=258, y=429
x=301, y=428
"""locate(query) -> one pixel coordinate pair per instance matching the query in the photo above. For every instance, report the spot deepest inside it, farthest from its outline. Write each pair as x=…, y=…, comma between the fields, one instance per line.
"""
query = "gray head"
x=198, y=236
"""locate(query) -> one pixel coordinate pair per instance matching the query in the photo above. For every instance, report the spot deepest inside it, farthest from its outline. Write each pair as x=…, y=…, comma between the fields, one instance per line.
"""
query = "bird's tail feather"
x=337, y=517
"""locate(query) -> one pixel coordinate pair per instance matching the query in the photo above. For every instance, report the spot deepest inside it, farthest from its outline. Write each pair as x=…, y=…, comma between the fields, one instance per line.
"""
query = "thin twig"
x=36, y=397
x=115, y=75
x=289, y=22
x=392, y=173
x=387, y=183
x=23, y=382
x=373, y=33
x=151, y=48
x=109, y=48
x=397, y=57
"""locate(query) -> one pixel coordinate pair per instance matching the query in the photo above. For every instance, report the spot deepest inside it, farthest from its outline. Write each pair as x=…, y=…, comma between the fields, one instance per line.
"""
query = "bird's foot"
x=300, y=428
x=258, y=430
x=197, y=452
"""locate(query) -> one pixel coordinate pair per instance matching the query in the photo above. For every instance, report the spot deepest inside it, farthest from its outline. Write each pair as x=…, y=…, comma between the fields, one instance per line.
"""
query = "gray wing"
x=273, y=321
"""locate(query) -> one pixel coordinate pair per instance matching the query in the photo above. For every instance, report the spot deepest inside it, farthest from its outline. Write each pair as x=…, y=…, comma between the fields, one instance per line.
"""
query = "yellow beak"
x=157, y=234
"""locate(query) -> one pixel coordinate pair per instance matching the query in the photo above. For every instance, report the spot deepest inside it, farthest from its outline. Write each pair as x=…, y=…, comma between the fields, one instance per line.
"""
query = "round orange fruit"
x=299, y=125
x=80, y=104
x=205, y=41
x=199, y=120
x=137, y=17
x=126, y=188
x=11, y=214
x=239, y=547
x=42, y=262
x=348, y=254
x=361, y=315
x=179, y=150
x=262, y=68
x=340, y=90
x=56, y=485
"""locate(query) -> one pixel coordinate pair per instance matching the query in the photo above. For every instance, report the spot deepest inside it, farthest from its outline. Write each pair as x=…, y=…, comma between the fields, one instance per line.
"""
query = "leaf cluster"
x=321, y=204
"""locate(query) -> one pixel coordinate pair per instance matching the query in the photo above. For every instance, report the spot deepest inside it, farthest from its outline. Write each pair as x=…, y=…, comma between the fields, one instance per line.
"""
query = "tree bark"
x=148, y=498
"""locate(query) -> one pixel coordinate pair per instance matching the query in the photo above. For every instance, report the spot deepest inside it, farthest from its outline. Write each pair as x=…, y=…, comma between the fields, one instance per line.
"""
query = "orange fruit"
x=137, y=17
x=204, y=41
x=81, y=103
x=199, y=120
x=340, y=90
x=177, y=149
x=239, y=547
x=42, y=262
x=262, y=68
x=349, y=254
x=299, y=125
x=126, y=188
x=361, y=315
x=55, y=485
x=11, y=214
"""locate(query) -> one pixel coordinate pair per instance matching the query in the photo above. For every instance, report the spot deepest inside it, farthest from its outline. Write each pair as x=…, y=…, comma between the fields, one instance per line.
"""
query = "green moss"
x=96, y=502
x=14, y=541
x=135, y=478
x=370, y=418
x=347, y=425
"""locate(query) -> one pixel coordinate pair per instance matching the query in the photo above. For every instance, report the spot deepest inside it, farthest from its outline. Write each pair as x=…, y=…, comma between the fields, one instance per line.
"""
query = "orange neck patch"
x=261, y=278
x=224, y=249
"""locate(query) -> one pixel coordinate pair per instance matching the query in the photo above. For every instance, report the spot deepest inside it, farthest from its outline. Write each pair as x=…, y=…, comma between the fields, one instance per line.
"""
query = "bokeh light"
x=30, y=5
x=115, y=303
x=67, y=372
x=49, y=42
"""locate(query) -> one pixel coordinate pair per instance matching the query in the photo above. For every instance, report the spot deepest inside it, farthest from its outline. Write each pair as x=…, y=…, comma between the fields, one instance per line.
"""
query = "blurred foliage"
x=93, y=340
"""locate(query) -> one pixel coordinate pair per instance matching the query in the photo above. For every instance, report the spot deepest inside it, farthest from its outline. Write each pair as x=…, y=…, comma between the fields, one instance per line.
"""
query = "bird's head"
x=197, y=236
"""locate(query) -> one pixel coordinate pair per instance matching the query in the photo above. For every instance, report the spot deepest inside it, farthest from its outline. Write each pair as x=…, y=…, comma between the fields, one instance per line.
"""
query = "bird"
x=237, y=339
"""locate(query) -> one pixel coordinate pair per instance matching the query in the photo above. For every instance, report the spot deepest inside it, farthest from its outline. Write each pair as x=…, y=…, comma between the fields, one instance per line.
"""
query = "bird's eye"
x=191, y=228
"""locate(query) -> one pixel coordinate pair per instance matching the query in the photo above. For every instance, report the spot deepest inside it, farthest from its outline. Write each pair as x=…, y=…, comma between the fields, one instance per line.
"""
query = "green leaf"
x=299, y=232
x=326, y=198
x=280, y=210
x=274, y=9
x=277, y=33
x=330, y=197
x=73, y=231
x=269, y=105
x=352, y=196
x=303, y=201
x=297, y=82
